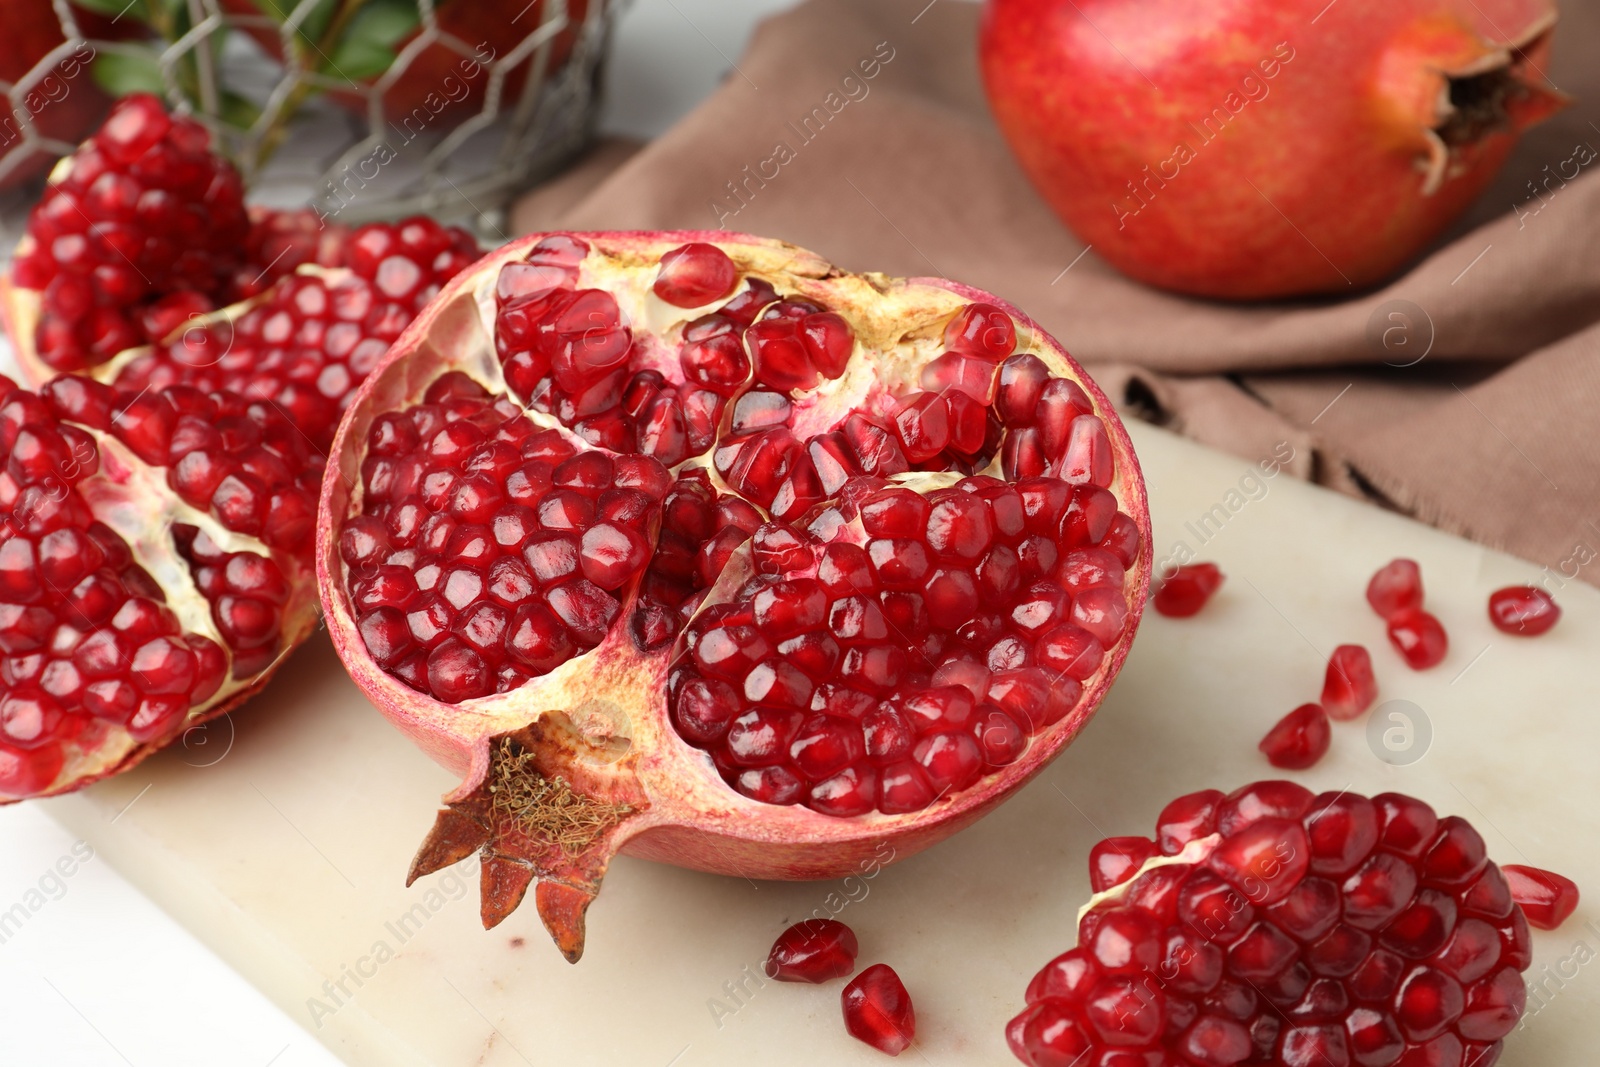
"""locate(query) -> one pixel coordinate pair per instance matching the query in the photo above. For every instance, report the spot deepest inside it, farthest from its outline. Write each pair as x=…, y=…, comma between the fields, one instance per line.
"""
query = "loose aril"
x=1184, y=591
x=1294, y=929
x=1546, y=898
x=814, y=950
x=1419, y=638
x=1349, y=687
x=1523, y=610
x=878, y=1011
x=649, y=573
x=1300, y=738
x=1396, y=588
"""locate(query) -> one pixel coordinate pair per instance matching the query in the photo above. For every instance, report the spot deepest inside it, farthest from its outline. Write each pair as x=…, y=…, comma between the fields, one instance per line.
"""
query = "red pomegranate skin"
x=1263, y=148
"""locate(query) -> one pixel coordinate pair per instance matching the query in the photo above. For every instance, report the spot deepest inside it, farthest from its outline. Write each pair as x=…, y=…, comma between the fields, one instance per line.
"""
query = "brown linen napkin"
x=860, y=131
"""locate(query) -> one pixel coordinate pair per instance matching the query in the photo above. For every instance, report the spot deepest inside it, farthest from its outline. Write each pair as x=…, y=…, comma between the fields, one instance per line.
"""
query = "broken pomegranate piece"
x=1185, y=590
x=744, y=569
x=1300, y=738
x=155, y=566
x=815, y=950
x=1523, y=610
x=878, y=1011
x=1546, y=898
x=1280, y=927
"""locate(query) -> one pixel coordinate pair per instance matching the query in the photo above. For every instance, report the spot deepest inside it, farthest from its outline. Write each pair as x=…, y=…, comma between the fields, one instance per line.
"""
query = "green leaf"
x=121, y=73
x=368, y=45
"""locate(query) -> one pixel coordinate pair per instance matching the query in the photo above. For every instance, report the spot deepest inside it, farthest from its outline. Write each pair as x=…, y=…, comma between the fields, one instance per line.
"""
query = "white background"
x=101, y=976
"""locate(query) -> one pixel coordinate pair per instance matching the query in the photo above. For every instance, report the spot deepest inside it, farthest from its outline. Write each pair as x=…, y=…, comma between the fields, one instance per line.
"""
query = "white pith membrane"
x=596, y=769
x=132, y=498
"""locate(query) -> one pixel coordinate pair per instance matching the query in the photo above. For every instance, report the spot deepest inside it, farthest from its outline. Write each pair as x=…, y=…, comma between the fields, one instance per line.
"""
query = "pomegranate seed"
x=1546, y=898
x=1523, y=610
x=1299, y=740
x=1116, y=860
x=695, y=274
x=878, y=1011
x=1419, y=637
x=1185, y=591
x=981, y=330
x=1396, y=588
x=815, y=950
x=1349, y=688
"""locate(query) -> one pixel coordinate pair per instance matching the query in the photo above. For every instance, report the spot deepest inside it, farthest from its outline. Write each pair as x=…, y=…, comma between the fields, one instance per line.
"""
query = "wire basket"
x=362, y=109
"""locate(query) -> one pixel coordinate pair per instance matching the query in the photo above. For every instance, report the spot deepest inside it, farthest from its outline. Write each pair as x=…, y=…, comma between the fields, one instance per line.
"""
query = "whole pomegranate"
x=1265, y=148
x=1273, y=927
x=697, y=547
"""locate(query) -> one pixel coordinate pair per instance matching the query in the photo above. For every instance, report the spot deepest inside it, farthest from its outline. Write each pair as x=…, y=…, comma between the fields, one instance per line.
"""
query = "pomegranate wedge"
x=694, y=546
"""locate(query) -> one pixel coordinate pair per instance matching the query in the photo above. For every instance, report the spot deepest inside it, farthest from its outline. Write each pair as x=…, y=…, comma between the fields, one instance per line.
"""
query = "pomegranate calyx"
x=535, y=816
x=1465, y=89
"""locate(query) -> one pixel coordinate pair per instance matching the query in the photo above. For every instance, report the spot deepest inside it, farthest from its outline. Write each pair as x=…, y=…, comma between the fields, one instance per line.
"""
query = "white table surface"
x=97, y=974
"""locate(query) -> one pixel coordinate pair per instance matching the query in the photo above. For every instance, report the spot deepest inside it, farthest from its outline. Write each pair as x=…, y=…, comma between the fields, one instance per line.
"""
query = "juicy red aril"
x=1185, y=591
x=144, y=211
x=1419, y=638
x=878, y=1011
x=1117, y=859
x=694, y=275
x=1546, y=898
x=1214, y=963
x=1523, y=610
x=1300, y=738
x=815, y=950
x=1396, y=588
x=1349, y=687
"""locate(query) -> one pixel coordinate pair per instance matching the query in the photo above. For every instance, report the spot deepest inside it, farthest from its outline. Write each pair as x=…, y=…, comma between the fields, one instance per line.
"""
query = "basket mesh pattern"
x=453, y=126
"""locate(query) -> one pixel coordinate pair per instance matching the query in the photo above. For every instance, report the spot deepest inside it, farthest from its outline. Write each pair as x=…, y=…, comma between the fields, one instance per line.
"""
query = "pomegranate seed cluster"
x=1299, y=930
x=314, y=337
x=936, y=560
x=490, y=552
x=145, y=224
x=902, y=645
x=89, y=641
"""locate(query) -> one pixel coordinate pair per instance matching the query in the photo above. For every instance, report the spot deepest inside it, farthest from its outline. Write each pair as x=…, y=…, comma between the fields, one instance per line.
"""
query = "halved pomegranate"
x=694, y=546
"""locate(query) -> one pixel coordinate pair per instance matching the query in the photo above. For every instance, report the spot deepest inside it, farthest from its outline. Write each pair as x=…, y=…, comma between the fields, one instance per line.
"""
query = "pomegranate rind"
x=679, y=810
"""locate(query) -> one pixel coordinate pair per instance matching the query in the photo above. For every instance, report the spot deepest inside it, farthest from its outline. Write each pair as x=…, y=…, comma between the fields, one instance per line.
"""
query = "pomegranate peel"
x=574, y=748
